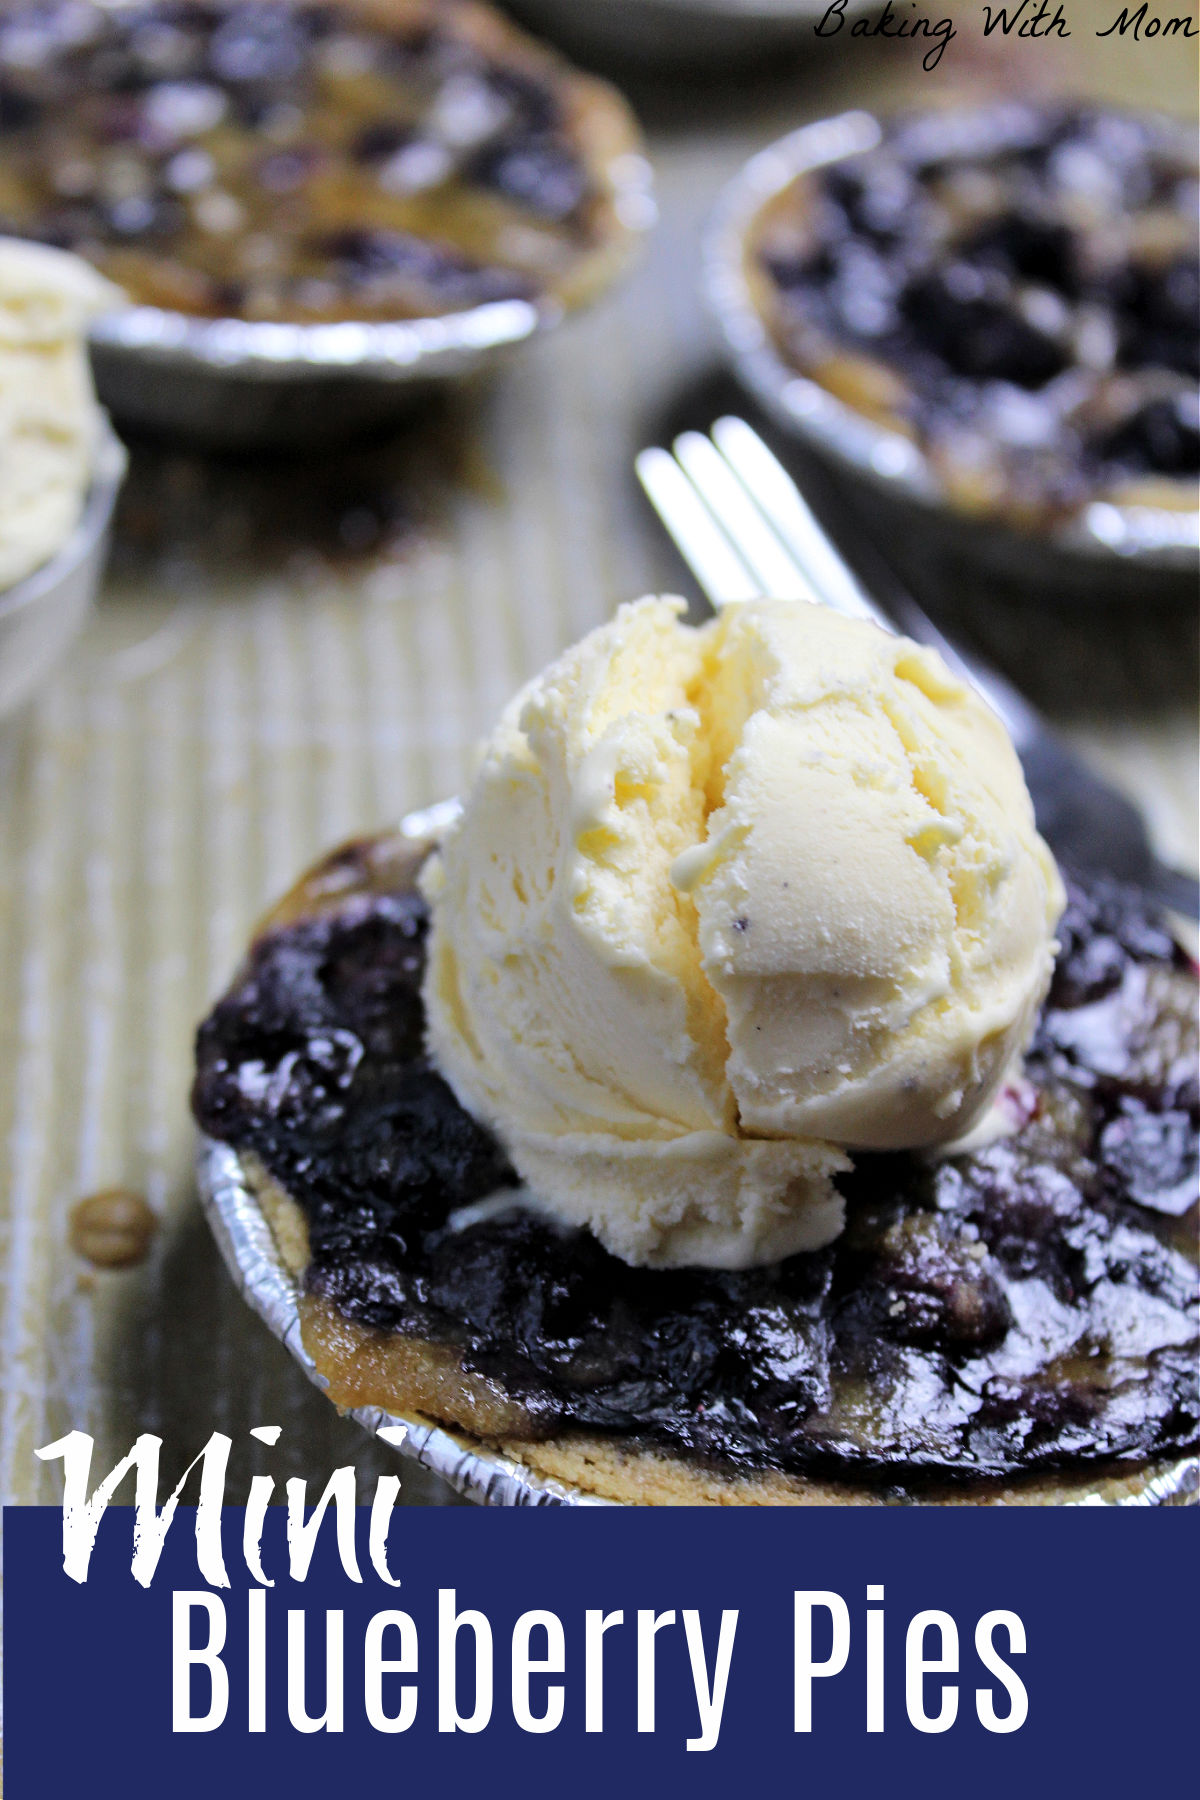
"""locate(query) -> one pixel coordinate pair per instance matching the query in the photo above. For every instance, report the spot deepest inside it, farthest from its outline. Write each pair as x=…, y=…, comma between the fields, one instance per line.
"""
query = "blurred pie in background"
x=373, y=159
x=1014, y=289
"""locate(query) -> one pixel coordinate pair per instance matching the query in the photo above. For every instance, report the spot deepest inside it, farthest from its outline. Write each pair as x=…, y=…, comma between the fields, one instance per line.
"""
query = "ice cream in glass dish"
x=50, y=423
x=60, y=465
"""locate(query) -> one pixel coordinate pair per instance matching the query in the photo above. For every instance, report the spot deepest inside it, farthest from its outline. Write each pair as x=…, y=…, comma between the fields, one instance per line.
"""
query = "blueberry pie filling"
x=1024, y=1310
x=1017, y=290
x=294, y=160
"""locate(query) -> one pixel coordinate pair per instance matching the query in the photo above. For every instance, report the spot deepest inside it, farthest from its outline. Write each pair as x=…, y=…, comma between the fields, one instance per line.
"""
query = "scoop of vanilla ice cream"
x=49, y=419
x=723, y=902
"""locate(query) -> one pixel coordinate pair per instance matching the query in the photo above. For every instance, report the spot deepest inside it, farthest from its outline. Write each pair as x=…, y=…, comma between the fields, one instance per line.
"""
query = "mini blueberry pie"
x=1016, y=290
x=301, y=161
x=886, y=1191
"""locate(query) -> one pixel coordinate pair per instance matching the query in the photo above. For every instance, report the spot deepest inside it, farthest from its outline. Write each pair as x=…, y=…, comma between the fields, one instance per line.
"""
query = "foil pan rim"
x=259, y=349
x=1103, y=531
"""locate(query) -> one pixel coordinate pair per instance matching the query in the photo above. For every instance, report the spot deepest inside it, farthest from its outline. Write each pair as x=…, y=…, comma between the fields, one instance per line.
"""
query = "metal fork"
x=742, y=526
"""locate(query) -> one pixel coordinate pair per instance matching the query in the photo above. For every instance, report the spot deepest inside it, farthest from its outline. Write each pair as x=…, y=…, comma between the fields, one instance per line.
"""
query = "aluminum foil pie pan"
x=489, y=1476
x=1107, y=551
x=254, y=383
x=40, y=615
x=241, y=384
